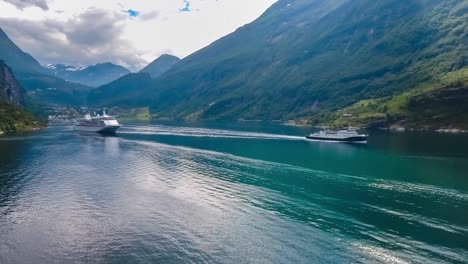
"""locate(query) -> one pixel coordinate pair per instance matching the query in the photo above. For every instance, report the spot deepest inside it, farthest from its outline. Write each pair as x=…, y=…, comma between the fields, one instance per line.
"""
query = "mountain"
x=131, y=89
x=160, y=65
x=303, y=59
x=10, y=89
x=12, y=95
x=51, y=90
x=13, y=56
x=127, y=91
x=94, y=76
x=36, y=80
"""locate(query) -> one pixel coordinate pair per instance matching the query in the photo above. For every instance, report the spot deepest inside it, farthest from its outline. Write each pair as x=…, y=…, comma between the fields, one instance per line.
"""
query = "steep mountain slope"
x=305, y=57
x=10, y=90
x=12, y=116
x=13, y=56
x=126, y=91
x=160, y=65
x=94, y=76
x=34, y=78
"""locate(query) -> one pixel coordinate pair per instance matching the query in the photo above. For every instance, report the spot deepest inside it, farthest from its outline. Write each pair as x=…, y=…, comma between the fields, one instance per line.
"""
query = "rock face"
x=13, y=117
x=10, y=90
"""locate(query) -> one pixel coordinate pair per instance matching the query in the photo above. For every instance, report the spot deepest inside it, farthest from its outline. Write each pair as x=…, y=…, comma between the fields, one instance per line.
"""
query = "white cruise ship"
x=343, y=135
x=98, y=124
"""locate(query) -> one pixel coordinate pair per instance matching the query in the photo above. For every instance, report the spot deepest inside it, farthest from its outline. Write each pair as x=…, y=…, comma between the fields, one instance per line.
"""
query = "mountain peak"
x=107, y=64
x=160, y=65
x=95, y=75
x=167, y=56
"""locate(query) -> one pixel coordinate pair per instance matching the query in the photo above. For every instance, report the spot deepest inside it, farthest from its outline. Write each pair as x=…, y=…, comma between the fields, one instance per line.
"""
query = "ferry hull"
x=356, y=139
x=102, y=130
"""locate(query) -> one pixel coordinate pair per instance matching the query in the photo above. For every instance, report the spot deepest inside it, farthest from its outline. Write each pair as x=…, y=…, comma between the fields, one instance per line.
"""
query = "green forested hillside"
x=304, y=58
x=52, y=90
x=127, y=91
x=13, y=118
x=442, y=103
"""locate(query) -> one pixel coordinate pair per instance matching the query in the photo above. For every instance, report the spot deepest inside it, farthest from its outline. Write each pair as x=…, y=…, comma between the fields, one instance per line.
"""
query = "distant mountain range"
x=307, y=59
x=93, y=76
x=160, y=65
x=128, y=90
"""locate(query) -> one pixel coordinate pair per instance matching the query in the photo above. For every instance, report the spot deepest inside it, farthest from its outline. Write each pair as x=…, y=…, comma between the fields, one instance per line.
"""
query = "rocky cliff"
x=10, y=90
x=13, y=117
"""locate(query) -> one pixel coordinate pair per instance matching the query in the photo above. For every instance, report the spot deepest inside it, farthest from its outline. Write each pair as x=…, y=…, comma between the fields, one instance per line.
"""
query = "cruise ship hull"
x=354, y=139
x=97, y=129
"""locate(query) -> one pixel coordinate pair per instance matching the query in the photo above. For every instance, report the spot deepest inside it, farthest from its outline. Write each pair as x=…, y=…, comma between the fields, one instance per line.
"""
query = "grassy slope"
x=134, y=114
x=13, y=118
x=442, y=103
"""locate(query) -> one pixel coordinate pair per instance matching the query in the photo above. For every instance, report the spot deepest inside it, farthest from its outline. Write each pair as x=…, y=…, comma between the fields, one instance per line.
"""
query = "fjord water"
x=232, y=193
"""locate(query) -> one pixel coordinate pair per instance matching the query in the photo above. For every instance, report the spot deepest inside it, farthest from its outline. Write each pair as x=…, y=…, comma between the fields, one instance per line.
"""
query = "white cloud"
x=21, y=4
x=91, y=31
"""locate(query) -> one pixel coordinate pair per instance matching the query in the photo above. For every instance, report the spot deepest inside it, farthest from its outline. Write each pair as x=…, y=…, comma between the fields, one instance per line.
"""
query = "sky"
x=131, y=33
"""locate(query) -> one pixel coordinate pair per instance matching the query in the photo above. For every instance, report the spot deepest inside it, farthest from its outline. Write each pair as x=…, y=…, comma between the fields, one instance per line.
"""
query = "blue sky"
x=186, y=7
x=131, y=12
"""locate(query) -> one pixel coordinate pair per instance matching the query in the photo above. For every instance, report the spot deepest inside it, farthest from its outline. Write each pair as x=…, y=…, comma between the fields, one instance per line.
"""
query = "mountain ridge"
x=160, y=65
x=93, y=75
x=127, y=90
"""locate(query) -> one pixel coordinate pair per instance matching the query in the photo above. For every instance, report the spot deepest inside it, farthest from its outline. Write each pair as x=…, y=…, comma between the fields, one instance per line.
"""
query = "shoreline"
x=393, y=128
x=29, y=129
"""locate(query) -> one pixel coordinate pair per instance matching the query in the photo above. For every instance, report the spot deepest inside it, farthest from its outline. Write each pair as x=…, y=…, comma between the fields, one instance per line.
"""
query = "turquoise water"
x=232, y=193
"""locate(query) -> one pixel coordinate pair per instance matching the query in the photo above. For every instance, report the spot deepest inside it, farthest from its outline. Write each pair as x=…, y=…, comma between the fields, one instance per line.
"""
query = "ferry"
x=103, y=124
x=343, y=135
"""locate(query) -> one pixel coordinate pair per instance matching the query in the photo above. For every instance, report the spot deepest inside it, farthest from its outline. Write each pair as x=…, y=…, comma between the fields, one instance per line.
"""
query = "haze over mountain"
x=303, y=58
x=160, y=65
x=95, y=75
